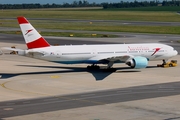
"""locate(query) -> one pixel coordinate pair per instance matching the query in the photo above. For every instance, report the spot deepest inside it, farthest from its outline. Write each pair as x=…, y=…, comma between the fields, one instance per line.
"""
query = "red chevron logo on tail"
x=28, y=31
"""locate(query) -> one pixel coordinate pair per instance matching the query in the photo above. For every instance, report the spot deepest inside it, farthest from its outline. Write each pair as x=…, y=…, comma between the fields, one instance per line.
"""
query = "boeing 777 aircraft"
x=134, y=55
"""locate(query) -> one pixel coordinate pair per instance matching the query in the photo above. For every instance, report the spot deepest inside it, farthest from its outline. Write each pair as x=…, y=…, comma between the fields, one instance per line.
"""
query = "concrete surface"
x=26, y=78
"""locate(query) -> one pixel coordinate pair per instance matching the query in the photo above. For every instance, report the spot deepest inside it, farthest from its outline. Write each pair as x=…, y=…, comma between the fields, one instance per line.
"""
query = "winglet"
x=32, y=38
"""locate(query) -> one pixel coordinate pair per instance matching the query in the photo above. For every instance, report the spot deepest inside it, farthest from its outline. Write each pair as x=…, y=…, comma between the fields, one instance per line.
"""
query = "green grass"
x=65, y=34
x=130, y=14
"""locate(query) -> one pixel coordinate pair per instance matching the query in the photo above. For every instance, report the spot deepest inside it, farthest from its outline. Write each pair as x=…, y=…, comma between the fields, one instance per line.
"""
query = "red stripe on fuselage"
x=41, y=42
x=22, y=20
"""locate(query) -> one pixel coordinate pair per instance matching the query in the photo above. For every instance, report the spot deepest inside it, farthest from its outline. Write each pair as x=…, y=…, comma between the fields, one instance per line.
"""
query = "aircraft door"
x=58, y=54
x=94, y=52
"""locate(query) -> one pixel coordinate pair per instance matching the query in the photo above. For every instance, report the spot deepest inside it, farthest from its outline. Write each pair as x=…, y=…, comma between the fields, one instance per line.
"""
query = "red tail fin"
x=32, y=38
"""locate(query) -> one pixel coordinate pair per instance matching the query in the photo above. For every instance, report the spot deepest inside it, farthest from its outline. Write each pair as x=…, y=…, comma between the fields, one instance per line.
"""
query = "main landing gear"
x=96, y=67
x=109, y=70
x=93, y=67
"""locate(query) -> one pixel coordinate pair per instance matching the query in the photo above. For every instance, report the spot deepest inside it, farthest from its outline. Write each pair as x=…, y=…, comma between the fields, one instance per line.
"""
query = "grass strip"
x=109, y=27
x=115, y=14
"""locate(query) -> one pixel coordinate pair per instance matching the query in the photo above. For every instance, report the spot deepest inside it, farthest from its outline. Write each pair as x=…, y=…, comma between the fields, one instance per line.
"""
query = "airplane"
x=134, y=55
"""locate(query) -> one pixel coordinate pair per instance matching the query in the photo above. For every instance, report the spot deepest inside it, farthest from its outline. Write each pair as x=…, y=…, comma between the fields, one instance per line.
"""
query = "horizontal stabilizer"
x=19, y=51
x=13, y=49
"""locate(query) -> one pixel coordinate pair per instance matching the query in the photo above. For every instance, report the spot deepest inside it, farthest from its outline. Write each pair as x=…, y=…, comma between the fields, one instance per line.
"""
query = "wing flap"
x=122, y=58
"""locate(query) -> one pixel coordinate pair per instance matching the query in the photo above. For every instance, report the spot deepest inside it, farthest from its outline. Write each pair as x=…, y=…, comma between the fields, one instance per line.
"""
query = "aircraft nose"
x=175, y=52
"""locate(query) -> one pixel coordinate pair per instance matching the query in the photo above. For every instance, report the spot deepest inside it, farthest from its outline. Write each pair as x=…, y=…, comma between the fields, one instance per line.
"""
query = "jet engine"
x=138, y=62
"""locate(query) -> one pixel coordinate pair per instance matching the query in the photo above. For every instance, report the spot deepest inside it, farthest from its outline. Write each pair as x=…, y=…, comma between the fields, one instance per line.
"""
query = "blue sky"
x=53, y=1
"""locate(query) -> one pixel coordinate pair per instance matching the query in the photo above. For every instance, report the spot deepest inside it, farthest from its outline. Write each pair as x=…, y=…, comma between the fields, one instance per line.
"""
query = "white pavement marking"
x=8, y=109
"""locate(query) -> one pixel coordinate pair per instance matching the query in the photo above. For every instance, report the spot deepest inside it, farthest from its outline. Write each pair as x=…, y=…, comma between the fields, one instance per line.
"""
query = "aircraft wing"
x=122, y=58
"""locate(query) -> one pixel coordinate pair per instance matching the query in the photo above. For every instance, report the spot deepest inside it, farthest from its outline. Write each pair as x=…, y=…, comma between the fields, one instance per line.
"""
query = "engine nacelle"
x=138, y=62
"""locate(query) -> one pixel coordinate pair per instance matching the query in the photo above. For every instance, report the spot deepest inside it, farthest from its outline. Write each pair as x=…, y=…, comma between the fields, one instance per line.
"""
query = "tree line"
x=79, y=3
x=171, y=3
x=129, y=4
x=140, y=4
x=85, y=3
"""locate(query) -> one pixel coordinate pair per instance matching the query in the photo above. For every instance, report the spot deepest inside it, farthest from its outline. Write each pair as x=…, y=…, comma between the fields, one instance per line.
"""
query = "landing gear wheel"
x=88, y=67
x=93, y=67
x=170, y=65
x=110, y=70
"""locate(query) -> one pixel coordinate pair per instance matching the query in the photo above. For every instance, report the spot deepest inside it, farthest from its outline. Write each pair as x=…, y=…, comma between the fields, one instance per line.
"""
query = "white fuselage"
x=91, y=54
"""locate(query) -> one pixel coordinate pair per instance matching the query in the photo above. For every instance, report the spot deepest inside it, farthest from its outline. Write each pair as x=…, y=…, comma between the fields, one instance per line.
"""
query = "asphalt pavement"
x=14, y=108
x=54, y=103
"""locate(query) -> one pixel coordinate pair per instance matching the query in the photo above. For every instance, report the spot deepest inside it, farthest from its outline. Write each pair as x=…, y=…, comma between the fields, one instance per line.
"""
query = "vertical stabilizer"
x=32, y=38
